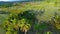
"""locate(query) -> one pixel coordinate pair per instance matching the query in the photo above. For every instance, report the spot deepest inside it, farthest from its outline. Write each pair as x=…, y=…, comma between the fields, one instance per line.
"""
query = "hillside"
x=44, y=11
x=49, y=8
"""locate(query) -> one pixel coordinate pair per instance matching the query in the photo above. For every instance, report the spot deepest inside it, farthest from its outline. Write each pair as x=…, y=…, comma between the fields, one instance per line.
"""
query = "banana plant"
x=24, y=27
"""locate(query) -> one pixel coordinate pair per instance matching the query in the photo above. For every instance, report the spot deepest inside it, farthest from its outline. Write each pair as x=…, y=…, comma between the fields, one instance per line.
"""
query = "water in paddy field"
x=34, y=17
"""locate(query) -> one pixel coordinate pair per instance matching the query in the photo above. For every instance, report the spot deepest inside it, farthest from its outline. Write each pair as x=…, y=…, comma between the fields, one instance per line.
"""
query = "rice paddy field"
x=30, y=17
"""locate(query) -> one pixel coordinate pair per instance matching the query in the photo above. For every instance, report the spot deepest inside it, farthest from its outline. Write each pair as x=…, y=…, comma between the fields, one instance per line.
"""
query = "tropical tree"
x=22, y=21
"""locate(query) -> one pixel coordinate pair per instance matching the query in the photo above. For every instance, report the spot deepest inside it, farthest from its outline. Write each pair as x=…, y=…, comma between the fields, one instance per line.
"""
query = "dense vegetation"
x=32, y=17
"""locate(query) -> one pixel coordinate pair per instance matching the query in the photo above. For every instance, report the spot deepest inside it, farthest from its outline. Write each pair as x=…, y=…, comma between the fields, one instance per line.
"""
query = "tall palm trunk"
x=25, y=31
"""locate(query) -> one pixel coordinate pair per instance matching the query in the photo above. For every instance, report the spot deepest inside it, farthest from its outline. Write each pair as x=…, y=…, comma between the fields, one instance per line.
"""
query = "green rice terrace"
x=31, y=17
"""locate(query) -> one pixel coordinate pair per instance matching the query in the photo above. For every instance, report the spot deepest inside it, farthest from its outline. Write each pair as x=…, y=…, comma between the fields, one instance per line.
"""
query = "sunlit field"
x=34, y=17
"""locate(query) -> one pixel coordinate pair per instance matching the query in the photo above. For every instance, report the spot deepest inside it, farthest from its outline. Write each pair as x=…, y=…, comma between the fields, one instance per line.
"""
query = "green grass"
x=50, y=8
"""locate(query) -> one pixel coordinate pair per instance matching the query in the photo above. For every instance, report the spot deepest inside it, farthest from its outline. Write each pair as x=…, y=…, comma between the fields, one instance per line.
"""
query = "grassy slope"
x=50, y=8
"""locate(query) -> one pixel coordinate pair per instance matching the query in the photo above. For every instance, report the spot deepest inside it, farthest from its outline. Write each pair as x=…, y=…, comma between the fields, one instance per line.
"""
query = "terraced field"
x=49, y=9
